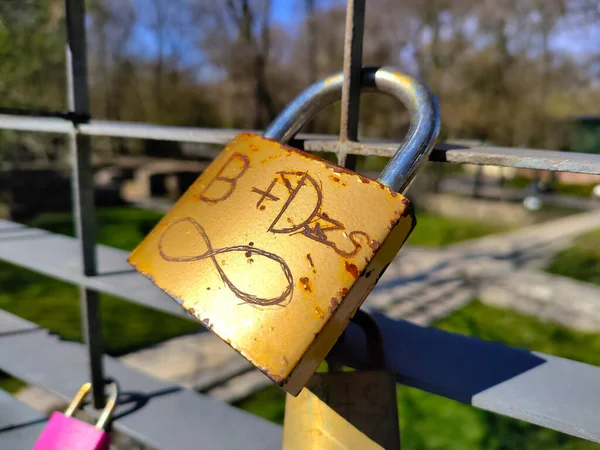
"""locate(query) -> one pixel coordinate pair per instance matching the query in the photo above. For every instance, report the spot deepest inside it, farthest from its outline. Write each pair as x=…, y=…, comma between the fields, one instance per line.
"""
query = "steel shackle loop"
x=374, y=341
x=108, y=410
x=418, y=99
x=373, y=338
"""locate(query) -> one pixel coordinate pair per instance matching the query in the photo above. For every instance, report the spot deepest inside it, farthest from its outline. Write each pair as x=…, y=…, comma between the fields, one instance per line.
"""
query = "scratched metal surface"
x=262, y=250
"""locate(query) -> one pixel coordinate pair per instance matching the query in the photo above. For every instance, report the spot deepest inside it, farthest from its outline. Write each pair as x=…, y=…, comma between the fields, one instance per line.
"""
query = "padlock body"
x=274, y=250
x=68, y=433
x=349, y=410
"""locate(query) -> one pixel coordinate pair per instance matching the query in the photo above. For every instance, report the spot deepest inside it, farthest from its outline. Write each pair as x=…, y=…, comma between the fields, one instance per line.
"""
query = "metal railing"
x=446, y=353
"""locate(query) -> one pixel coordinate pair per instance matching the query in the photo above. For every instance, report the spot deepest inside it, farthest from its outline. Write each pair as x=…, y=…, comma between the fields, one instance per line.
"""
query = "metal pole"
x=353, y=49
x=83, y=190
x=353, y=46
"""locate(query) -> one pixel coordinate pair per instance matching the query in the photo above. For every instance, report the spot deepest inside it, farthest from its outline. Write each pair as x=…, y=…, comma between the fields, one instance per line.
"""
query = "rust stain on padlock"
x=333, y=306
x=305, y=283
x=352, y=269
x=241, y=249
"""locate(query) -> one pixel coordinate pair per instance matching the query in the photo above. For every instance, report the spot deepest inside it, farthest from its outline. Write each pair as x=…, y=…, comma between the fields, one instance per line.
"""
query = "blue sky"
x=570, y=39
x=577, y=41
x=286, y=12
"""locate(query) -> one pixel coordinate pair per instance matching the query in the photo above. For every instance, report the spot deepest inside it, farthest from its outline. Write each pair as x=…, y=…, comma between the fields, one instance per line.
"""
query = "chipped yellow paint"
x=275, y=256
x=351, y=410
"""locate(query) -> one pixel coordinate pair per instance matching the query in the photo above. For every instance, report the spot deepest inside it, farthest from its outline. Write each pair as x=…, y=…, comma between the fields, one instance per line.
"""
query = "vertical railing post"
x=83, y=189
x=353, y=47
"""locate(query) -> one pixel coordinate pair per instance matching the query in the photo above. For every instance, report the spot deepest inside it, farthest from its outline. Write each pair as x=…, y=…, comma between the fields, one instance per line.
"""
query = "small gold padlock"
x=346, y=410
x=274, y=249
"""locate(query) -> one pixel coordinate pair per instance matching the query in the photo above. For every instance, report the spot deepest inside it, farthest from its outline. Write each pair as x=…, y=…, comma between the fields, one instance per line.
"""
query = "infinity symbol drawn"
x=211, y=253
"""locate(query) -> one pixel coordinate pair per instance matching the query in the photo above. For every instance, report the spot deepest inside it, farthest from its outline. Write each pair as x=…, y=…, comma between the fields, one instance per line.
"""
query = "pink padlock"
x=64, y=432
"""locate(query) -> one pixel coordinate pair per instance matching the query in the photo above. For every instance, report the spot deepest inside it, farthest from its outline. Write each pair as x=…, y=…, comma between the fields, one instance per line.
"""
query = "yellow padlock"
x=346, y=410
x=274, y=249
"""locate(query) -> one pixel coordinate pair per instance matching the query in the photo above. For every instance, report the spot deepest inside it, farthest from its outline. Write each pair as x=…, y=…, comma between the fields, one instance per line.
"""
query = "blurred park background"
x=520, y=73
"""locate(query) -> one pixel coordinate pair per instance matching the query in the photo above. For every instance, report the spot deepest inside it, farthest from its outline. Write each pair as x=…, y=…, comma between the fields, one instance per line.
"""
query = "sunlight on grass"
x=434, y=230
x=581, y=261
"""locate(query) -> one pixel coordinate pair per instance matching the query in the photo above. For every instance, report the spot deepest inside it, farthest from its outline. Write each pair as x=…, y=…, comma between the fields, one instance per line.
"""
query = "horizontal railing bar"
x=542, y=389
x=156, y=413
x=133, y=130
x=58, y=256
x=41, y=124
x=14, y=324
x=20, y=424
x=67, y=115
x=521, y=158
x=477, y=154
x=158, y=132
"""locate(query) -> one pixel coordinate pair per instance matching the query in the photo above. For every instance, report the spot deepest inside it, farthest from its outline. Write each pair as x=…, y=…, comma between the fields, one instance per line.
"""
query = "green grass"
x=519, y=182
x=581, y=261
x=435, y=230
x=519, y=330
x=121, y=228
x=54, y=304
x=429, y=422
x=579, y=190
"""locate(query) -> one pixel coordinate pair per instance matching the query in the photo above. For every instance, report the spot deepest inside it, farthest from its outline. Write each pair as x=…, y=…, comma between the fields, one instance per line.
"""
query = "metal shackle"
x=418, y=99
x=374, y=341
x=108, y=408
